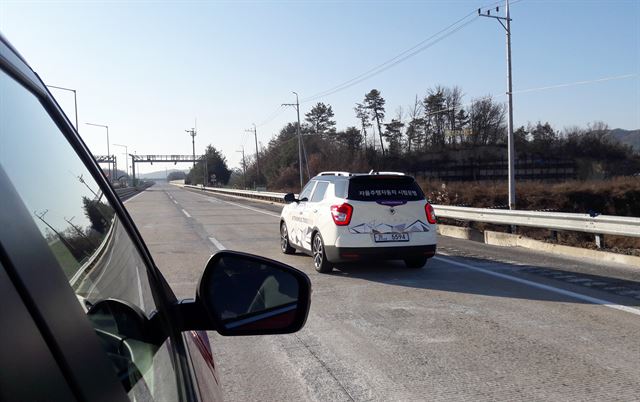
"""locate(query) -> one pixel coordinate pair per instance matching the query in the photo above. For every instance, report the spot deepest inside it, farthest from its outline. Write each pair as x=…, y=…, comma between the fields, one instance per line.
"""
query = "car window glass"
x=306, y=191
x=384, y=188
x=86, y=237
x=318, y=193
x=340, y=189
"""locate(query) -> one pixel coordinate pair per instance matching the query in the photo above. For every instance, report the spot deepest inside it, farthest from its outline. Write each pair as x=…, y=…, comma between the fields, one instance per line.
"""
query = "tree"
x=413, y=131
x=216, y=164
x=487, y=120
x=375, y=103
x=350, y=139
x=319, y=117
x=435, y=115
x=452, y=104
x=393, y=134
x=542, y=137
x=521, y=139
x=462, y=121
x=176, y=176
x=363, y=115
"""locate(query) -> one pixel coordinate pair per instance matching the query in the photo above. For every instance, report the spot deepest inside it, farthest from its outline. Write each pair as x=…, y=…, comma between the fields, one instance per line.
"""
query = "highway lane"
x=450, y=331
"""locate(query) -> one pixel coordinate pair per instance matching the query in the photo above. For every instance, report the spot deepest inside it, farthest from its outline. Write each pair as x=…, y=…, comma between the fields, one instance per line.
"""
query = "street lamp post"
x=108, y=150
x=75, y=100
x=126, y=158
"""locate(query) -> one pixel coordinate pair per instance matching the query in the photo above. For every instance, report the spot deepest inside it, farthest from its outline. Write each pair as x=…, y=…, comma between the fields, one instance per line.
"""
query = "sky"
x=151, y=70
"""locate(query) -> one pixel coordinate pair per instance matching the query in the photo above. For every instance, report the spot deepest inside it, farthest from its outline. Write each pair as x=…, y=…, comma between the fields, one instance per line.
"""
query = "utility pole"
x=297, y=106
x=79, y=230
x=510, y=142
x=255, y=136
x=60, y=236
x=81, y=180
x=244, y=169
x=192, y=133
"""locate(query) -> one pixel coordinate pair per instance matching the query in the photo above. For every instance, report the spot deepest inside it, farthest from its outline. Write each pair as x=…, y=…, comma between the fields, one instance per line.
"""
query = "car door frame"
x=299, y=226
x=313, y=209
x=84, y=362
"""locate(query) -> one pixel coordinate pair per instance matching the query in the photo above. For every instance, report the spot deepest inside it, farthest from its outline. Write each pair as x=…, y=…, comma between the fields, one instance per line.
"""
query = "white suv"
x=341, y=216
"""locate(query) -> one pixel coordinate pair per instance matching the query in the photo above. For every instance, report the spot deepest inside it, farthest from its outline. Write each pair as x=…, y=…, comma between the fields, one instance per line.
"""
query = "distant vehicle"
x=86, y=314
x=342, y=216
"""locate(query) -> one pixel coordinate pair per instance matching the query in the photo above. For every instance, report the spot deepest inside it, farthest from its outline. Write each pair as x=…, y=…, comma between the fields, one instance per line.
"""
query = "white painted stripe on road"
x=216, y=243
x=131, y=198
x=262, y=211
x=175, y=202
x=186, y=213
x=564, y=292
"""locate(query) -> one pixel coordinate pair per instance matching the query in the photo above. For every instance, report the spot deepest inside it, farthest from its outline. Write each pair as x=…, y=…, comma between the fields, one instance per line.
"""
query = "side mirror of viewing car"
x=289, y=198
x=243, y=294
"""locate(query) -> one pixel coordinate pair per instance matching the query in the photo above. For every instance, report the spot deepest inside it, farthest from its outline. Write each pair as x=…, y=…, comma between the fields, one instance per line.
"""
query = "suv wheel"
x=285, y=247
x=319, y=257
x=416, y=262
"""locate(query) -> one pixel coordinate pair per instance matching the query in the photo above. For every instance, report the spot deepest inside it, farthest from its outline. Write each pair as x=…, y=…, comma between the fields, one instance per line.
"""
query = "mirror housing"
x=290, y=197
x=243, y=294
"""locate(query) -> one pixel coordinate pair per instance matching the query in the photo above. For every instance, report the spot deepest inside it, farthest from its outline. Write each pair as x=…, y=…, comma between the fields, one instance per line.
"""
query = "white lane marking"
x=140, y=288
x=216, y=243
x=564, y=292
x=262, y=211
x=175, y=202
x=186, y=213
x=131, y=198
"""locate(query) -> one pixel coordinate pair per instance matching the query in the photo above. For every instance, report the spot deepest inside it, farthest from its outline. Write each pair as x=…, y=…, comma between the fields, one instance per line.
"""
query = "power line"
x=576, y=83
x=399, y=58
x=390, y=63
x=391, y=60
x=272, y=116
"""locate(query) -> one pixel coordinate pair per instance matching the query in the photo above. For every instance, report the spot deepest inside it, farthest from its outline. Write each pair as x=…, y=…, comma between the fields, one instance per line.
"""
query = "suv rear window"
x=384, y=188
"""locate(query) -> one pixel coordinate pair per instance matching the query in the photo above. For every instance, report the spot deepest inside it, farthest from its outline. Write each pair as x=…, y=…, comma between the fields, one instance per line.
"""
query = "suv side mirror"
x=243, y=294
x=289, y=198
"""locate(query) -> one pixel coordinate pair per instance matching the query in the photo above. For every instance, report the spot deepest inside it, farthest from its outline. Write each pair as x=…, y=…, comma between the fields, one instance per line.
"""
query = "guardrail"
x=128, y=192
x=598, y=225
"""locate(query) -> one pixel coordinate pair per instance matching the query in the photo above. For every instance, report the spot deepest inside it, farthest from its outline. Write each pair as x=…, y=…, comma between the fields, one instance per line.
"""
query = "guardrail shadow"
x=442, y=276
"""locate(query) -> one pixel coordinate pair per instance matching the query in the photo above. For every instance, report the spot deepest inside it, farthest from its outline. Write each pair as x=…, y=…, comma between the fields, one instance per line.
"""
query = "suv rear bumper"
x=344, y=254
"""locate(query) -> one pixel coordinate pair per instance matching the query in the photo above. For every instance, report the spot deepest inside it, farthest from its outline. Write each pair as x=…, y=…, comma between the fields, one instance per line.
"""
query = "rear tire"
x=285, y=246
x=319, y=256
x=416, y=262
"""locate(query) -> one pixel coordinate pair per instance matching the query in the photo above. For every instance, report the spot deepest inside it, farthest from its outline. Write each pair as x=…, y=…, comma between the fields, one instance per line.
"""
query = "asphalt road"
x=477, y=323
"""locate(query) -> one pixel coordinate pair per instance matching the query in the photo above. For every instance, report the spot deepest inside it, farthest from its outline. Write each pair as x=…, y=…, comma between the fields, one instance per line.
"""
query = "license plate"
x=387, y=237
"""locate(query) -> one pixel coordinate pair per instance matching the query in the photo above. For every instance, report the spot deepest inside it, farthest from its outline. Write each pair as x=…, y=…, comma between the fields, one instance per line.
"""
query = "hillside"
x=160, y=174
x=627, y=137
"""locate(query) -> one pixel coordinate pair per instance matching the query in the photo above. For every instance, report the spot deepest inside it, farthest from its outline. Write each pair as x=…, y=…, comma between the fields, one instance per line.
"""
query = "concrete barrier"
x=512, y=240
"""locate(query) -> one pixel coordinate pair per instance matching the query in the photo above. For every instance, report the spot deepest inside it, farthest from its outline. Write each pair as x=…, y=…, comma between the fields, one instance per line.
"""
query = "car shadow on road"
x=440, y=275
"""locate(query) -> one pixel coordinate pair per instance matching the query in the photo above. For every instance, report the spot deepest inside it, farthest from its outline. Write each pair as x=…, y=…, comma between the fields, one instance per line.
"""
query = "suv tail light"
x=341, y=214
x=431, y=214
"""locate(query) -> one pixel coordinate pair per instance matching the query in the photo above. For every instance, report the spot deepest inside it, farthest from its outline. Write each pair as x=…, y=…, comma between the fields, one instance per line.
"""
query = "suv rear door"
x=386, y=204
